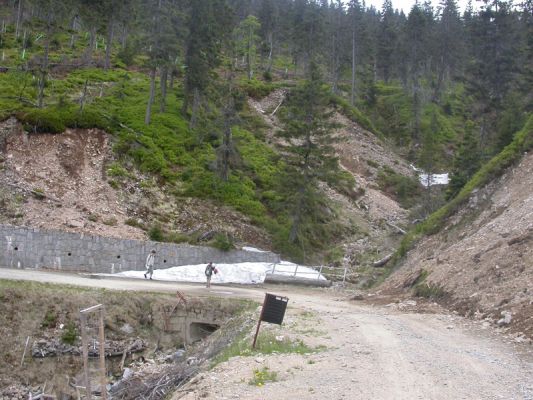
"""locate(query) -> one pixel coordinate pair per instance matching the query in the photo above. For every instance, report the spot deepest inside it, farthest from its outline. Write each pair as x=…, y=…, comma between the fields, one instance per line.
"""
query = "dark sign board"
x=274, y=308
x=273, y=311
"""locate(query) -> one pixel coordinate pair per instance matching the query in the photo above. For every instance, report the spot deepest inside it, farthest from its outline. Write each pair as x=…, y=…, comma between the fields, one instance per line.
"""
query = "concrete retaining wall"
x=22, y=247
x=188, y=322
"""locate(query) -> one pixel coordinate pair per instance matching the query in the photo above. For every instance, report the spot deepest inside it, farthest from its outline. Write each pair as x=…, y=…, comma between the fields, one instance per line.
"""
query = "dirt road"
x=370, y=352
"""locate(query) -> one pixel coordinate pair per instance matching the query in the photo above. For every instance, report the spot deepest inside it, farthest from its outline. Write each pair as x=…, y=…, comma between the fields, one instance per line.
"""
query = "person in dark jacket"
x=209, y=271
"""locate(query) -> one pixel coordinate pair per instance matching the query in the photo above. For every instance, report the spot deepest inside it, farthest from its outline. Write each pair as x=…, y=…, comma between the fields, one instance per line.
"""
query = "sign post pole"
x=259, y=323
x=273, y=311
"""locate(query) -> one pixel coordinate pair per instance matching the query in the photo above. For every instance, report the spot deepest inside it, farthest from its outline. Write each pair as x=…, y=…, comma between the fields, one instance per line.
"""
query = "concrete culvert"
x=201, y=330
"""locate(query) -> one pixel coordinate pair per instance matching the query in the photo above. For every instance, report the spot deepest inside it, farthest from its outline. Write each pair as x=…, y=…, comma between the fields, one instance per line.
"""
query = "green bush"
x=403, y=188
x=261, y=376
x=117, y=170
x=257, y=89
x=429, y=291
x=50, y=319
x=42, y=120
x=156, y=234
x=70, y=334
x=223, y=241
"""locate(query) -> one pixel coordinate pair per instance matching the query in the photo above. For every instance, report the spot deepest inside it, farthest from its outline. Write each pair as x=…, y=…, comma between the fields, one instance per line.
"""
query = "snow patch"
x=431, y=179
x=244, y=273
x=253, y=249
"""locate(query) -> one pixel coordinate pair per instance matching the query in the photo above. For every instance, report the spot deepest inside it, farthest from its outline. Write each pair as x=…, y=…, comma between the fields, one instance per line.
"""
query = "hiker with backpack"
x=210, y=269
x=150, y=261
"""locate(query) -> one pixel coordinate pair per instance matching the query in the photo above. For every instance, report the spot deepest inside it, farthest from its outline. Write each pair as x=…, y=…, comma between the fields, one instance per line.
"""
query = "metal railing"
x=292, y=270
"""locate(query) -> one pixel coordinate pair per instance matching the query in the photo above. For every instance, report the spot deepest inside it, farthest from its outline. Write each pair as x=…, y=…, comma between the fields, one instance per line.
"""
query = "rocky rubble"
x=55, y=347
x=481, y=262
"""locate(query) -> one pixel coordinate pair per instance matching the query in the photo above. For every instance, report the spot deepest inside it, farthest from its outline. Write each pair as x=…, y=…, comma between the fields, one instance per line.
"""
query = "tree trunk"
x=195, y=108
x=416, y=109
x=249, y=55
x=171, y=82
x=109, y=46
x=297, y=216
x=73, y=35
x=124, y=36
x=44, y=65
x=226, y=149
x=148, y=115
x=352, y=95
x=164, y=76
x=84, y=94
x=19, y=17
x=89, y=51
x=270, y=51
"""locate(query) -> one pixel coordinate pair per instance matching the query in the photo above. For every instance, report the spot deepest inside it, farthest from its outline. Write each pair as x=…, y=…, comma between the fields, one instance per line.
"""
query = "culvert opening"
x=201, y=330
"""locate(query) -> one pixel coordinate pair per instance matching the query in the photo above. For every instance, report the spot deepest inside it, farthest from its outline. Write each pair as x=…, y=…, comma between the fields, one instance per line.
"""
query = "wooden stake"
x=25, y=348
x=259, y=323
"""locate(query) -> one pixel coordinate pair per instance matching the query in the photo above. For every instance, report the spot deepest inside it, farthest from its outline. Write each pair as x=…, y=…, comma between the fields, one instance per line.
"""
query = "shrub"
x=110, y=221
x=267, y=76
x=257, y=89
x=156, y=234
x=223, y=242
x=70, y=334
x=429, y=291
x=127, y=54
x=133, y=222
x=405, y=189
x=263, y=375
x=42, y=120
x=117, y=170
x=50, y=319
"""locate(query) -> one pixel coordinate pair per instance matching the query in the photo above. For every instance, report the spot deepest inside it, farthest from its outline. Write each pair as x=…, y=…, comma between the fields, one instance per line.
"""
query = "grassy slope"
x=167, y=148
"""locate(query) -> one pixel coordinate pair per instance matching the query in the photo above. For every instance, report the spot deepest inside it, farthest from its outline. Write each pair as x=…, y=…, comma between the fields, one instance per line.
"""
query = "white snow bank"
x=431, y=180
x=253, y=249
x=434, y=179
x=246, y=273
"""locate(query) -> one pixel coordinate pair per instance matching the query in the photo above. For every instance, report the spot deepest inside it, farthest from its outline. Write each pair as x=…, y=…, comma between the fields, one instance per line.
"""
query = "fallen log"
x=383, y=261
x=400, y=230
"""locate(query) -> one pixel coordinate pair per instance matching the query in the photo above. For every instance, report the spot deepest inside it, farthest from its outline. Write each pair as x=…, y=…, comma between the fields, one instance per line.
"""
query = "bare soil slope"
x=61, y=182
x=482, y=261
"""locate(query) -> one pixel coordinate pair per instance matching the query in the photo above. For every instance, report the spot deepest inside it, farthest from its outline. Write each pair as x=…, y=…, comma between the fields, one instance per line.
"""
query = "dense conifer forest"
x=169, y=79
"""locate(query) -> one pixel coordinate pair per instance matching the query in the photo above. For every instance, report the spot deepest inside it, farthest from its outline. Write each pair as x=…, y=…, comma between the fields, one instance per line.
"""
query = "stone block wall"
x=22, y=247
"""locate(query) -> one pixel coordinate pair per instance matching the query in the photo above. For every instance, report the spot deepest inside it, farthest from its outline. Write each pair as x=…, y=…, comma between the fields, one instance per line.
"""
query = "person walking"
x=150, y=261
x=209, y=271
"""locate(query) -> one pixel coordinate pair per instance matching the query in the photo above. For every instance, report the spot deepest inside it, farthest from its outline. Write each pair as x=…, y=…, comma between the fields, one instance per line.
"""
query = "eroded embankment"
x=481, y=262
x=147, y=335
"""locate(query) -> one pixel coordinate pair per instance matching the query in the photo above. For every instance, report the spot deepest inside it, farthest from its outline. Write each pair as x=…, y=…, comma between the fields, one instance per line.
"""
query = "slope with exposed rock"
x=65, y=181
x=481, y=263
x=376, y=214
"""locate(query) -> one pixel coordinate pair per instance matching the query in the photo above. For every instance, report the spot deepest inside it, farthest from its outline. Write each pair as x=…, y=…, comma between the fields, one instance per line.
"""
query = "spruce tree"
x=465, y=164
x=309, y=154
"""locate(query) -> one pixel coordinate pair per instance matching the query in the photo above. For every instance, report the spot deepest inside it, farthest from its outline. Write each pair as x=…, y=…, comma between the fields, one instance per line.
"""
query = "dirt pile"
x=481, y=263
x=62, y=181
